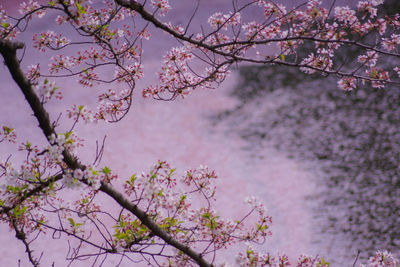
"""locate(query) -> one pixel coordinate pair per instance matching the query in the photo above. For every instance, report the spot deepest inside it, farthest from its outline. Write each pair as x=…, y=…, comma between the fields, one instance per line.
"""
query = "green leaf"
x=28, y=145
x=71, y=222
x=19, y=211
x=323, y=262
x=160, y=193
x=106, y=170
x=5, y=25
x=7, y=130
x=133, y=178
x=249, y=252
x=81, y=9
x=67, y=135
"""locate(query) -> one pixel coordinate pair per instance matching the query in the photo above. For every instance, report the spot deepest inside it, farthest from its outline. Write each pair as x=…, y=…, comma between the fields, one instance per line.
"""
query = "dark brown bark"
x=8, y=49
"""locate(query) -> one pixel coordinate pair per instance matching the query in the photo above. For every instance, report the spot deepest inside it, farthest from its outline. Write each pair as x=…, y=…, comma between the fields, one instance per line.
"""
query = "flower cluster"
x=256, y=31
x=369, y=59
x=202, y=180
x=130, y=52
x=74, y=179
x=175, y=76
x=33, y=73
x=390, y=44
x=31, y=7
x=313, y=63
x=347, y=83
x=81, y=112
x=113, y=105
x=49, y=39
x=59, y=63
x=382, y=259
x=346, y=15
x=162, y=5
x=218, y=20
x=87, y=77
x=397, y=70
x=367, y=9
x=7, y=30
x=129, y=73
x=177, y=28
x=185, y=209
x=69, y=141
x=7, y=134
x=47, y=90
x=271, y=8
x=252, y=258
x=379, y=77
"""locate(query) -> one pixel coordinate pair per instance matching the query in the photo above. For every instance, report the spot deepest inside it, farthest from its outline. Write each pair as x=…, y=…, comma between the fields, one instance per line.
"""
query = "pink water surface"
x=180, y=133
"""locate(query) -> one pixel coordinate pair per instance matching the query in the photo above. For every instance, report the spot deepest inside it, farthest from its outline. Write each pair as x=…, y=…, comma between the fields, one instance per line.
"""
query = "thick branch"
x=234, y=57
x=19, y=234
x=8, y=50
x=33, y=192
x=117, y=196
x=135, y=6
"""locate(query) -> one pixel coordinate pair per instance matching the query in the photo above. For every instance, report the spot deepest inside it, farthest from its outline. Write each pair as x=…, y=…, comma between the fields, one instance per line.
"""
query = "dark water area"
x=351, y=142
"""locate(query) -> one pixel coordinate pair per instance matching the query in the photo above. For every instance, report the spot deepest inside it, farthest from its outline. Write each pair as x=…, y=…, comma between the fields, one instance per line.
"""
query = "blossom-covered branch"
x=161, y=219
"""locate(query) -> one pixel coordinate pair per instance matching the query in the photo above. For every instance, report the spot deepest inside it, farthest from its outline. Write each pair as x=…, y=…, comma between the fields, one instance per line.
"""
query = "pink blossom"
x=129, y=72
x=29, y=7
x=345, y=15
x=367, y=9
x=382, y=259
x=78, y=174
x=397, y=70
x=69, y=181
x=376, y=2
x=255, y=31
x=369, y=59
x=389, y=44
x=113, y=104
x=218, y=20
x=8, y=134
x=271, y=8
x=47, y=89
x=145, y=34
x=379, y=77
x=162, y=5
x=177, y=28
x=33, y=73
x=50, y=40
x=380, y=24
x=81, y=112
x=347, y=83
x=320, y=61
x=87, y=77
x=60, y=62
x=310, y=261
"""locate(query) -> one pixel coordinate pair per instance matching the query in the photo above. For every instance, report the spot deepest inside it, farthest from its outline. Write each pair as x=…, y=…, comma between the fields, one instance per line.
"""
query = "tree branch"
x=8, y=49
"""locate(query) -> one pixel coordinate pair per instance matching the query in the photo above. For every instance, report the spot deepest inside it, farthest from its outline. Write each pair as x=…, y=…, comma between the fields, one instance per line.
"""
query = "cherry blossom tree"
x=162, y=219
